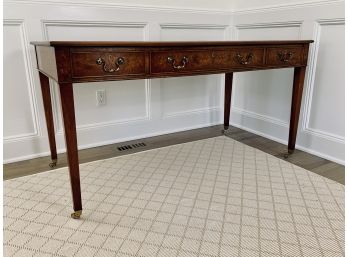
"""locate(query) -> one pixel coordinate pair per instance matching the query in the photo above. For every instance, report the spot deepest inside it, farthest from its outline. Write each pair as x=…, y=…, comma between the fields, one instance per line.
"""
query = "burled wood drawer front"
x=287, y=56
x=108, y=63
x=181, y=61
x=238, y=57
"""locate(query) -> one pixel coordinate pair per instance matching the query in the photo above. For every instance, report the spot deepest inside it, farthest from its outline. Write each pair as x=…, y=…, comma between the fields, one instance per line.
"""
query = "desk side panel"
x=46, y=61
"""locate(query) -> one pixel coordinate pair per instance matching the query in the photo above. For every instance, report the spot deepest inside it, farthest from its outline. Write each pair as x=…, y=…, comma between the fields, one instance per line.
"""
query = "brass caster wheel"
x=76, y=214
x=288, y=153
x=53, y=163
x=225, y=130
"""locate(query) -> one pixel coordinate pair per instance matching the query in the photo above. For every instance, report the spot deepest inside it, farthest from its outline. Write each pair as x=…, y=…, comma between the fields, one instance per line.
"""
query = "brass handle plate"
x=172, y=61
x=245, y=60
x=285, y=56
x=112, y=65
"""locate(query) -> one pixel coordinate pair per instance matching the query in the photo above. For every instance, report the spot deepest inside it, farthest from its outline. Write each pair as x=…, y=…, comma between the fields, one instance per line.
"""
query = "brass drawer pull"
x=247, y=60
x=184, y=60
x=285, y=56
x=112, y=65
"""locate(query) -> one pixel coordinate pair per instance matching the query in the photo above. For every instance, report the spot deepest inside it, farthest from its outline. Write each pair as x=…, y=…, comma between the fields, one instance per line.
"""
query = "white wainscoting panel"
x=125, y=102
x=20, y=117
x=204, y=93
x=261, y=100
x=88, y=30
x=119, y=94
x=328, y=81
x=265, y=93
x=203, y=32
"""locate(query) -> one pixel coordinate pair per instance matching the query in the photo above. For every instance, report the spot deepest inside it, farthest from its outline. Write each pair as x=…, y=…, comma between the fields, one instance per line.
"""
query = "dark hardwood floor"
x=305, y=160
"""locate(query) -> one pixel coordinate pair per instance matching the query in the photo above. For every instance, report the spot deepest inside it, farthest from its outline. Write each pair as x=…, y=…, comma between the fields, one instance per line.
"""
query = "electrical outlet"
x=101, y=97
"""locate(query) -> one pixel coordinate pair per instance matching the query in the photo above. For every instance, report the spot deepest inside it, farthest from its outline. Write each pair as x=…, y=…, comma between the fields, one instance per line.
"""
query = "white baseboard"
x=109, y=142
x=279, y=140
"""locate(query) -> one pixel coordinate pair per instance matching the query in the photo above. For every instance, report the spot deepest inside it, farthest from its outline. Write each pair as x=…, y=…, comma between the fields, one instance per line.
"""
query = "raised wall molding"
x=312, y=60
x=262, y=117
x=287, y=24
x=192, y=112
x=30, y=83
x=184, y=26
x=326, y=144
x=310, y=80
x=238, y=27
x=277, y=7
x=77, y=23
x=191, y=26
x=143, y=25
x=269, y=25
x=116, y=122
x=223, y=27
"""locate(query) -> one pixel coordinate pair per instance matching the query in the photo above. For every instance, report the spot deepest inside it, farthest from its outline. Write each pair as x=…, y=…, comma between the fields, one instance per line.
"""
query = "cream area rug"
x=213, y=197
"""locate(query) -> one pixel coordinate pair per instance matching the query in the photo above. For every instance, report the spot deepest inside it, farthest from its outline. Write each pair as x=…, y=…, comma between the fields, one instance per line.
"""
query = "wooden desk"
x=74, y=62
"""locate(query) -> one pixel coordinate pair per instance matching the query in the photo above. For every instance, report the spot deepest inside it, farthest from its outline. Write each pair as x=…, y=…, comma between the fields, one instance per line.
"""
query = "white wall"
x=219, y=5
x=136, y=109
x=179, y=4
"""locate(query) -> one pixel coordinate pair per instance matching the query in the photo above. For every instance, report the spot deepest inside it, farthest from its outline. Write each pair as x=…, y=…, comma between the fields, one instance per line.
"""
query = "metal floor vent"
x=132, y=146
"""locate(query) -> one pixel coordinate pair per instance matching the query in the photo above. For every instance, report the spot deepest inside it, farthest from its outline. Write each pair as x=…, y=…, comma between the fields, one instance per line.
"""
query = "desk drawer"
x=108, y=63
x=180, y=61
x=288, y=56
x=238, y=58
x=214, y=59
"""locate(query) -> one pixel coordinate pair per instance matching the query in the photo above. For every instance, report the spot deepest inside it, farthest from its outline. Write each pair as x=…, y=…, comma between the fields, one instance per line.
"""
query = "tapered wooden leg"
x=297, y=90
x=228, y=92
x=46, y=96
x=68, y=110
